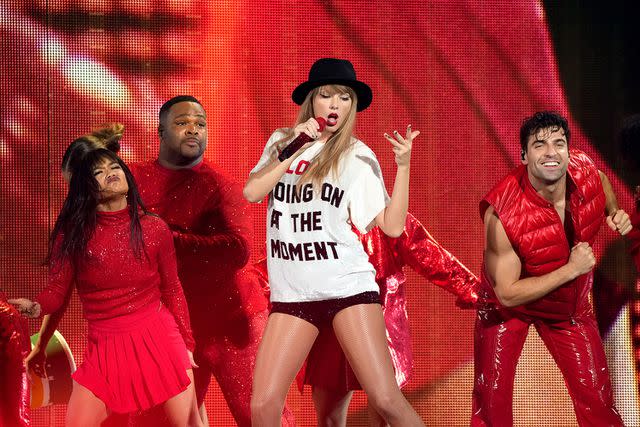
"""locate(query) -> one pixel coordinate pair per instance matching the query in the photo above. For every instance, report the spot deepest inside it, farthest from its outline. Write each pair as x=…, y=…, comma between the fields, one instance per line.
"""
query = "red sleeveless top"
x=538, y=236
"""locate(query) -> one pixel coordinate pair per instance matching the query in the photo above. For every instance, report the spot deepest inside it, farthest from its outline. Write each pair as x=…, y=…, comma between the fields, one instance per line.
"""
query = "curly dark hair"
x=164, y=110
x=542, y=120
x=77, y=220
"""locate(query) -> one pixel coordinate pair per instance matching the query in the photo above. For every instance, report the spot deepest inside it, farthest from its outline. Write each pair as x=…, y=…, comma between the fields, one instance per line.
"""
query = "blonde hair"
x=328, y=160
x=106, y=136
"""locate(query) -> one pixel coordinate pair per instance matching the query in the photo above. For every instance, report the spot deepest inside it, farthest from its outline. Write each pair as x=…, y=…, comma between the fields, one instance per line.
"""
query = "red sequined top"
x=211, y=227
x=113, y=282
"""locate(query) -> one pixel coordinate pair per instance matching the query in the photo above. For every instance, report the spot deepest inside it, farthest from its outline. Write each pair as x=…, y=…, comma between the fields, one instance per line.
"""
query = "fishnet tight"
x=360, y=331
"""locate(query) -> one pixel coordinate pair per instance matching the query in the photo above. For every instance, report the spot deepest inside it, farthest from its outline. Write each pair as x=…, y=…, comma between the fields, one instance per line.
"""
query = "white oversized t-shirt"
x=312, y=252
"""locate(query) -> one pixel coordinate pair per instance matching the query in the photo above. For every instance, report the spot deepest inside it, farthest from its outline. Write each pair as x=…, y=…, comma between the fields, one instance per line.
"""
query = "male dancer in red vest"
x=540, y=222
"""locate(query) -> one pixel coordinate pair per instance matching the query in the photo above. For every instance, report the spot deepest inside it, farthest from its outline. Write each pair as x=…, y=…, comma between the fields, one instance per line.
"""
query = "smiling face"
x=333, y=103
x=547, y=156
x=111, y=179
x=183, y=133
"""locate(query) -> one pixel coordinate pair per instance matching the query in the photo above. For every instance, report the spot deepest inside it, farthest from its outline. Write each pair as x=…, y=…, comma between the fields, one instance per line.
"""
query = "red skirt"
x=136, y=361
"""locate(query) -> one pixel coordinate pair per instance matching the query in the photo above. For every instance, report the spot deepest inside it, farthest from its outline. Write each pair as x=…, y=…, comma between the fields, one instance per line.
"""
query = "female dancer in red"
x=122, y=261
x=106, y=137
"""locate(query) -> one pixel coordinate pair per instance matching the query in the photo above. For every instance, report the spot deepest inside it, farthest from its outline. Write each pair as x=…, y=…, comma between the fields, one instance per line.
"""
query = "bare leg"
x=85, y=409
x=331, y=406
x=182, y=409
x=360, y=331
x=284, y=347
x=203, y=414
x=375, y=420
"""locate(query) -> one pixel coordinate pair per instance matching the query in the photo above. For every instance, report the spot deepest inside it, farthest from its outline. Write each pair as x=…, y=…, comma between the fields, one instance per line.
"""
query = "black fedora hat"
x=327, y=71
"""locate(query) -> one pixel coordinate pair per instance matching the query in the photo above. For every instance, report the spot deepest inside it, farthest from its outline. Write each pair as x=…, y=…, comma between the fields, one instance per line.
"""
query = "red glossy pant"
x=577, y=349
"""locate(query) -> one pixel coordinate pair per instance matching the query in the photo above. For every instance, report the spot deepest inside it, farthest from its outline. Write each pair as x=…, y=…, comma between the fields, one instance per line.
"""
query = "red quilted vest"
x=538, y=236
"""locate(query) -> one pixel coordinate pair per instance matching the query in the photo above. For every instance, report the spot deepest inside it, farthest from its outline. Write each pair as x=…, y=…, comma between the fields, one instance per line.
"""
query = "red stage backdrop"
x=465, y=73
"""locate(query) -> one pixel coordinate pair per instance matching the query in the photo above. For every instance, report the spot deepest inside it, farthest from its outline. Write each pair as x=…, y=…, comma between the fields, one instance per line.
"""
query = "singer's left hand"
x=402, y=145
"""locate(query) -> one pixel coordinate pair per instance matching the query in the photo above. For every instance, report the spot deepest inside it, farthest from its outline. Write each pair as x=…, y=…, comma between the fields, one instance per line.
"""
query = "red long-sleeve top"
x=210, y=224
x=112, y=282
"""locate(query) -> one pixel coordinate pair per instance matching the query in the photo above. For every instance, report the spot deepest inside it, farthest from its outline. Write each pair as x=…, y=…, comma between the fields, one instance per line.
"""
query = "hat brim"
x=362, y=90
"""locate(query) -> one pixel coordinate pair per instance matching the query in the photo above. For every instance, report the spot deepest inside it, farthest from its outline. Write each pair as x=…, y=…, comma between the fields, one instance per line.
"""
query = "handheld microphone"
x=299, y=141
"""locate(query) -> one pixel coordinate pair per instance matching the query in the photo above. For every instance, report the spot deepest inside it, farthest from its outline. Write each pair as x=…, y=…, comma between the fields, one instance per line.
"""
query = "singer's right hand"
x=310, y=127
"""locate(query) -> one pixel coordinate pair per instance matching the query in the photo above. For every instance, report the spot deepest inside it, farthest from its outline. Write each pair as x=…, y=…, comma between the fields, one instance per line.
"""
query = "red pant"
x=576, y=348
x=230, y=358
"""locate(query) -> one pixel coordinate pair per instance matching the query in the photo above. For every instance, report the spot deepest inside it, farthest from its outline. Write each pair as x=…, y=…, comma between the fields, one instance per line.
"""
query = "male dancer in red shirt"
x=207, y=215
